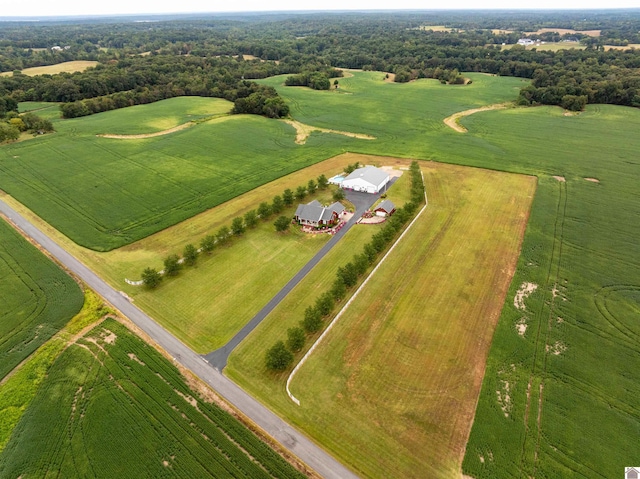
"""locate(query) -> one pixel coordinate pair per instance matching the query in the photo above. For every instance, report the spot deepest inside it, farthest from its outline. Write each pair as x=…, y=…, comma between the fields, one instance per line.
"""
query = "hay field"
x=65, y=67
x=392, y=391
x=563, y=31
x=36, y=298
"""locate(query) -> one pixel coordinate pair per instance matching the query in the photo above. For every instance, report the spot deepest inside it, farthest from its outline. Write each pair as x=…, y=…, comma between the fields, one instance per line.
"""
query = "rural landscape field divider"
x=353, y=297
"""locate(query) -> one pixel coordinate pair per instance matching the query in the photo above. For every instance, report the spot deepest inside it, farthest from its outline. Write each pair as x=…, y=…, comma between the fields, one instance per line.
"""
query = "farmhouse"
x=386, y=208
x=525, y=42
x=368, y=179
x=316, y=215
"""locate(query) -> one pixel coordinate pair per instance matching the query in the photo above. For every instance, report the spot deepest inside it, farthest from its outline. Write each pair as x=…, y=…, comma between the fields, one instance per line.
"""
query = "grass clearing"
x=37, y=298
x=390, y=391
x=65, y=67
x=112, y=406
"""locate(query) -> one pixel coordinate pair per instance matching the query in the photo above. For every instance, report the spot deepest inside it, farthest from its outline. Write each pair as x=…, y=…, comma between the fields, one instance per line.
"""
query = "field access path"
x=362, y=202
x=293, y=440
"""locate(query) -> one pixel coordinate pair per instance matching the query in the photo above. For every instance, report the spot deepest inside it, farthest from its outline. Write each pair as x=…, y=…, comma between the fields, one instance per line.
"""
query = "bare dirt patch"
x=523, y=292
x=108, y=336
x=593, y=180
x=148, y=135
x=303, y=131
x=521, y=326
x=390, y=78
x=135, y=358
x=561, y=179
x=453, y=120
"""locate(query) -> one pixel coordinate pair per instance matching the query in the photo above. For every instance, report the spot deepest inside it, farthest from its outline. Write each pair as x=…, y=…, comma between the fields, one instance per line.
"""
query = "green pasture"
x=150, y=118
x=36, y=299
x=112, y=406
x=104, y=193
x=34, y=106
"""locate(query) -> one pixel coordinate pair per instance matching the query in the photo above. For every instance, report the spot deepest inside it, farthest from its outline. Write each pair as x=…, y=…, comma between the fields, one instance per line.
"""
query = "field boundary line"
x=355, y=295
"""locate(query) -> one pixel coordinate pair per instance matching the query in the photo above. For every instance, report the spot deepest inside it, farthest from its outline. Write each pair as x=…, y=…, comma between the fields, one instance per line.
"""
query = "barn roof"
x=370, y=174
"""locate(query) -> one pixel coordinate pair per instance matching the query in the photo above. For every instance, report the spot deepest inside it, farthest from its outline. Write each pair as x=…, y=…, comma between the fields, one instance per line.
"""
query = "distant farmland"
x=112, y=406
x=65, y=67
x=37, y=298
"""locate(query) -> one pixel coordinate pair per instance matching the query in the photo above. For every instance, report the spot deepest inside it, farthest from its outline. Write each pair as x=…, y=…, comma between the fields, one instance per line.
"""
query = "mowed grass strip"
x=112, y=406
x=393, y=388
x=36, y=298
x=64, y=67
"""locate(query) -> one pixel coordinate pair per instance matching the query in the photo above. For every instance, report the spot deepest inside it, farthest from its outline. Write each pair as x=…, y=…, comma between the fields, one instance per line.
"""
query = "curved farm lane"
x=293, y=440
x=452, y=121
x=303, y=131
x=362, y=201
x=148, y=135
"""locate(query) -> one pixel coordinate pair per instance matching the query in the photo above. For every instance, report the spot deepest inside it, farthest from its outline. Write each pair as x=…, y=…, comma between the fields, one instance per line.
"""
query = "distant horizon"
x=71, y=9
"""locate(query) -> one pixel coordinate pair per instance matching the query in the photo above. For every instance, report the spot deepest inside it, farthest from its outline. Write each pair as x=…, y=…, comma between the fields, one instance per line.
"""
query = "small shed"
x=386, y=208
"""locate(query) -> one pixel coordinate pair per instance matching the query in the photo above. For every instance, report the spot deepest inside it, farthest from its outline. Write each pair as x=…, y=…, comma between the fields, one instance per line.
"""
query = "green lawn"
x=36, y=299
x=112, y=406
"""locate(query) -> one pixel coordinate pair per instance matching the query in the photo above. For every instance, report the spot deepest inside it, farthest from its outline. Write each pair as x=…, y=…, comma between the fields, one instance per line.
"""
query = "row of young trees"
x=281, y=355
x=173, y=263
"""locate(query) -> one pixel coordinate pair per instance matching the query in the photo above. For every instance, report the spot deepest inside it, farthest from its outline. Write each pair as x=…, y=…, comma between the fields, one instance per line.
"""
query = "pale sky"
x=12, y=8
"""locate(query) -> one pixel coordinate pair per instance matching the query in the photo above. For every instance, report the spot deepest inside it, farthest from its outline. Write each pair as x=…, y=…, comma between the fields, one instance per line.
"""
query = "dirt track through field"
x=148, y=135
x=303, y=131
x=452, y=121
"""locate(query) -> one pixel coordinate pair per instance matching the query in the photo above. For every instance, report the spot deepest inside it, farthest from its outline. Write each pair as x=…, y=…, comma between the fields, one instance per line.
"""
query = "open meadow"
x=65, y=67
x=38, y=298
x=112, y=406
x=392, y=389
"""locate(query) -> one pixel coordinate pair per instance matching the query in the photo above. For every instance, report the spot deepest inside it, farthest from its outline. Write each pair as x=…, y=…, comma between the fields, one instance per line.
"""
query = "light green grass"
x=26, y=106
x=207, y=304
x=17, y=392
x=112, y=406
x=36, y=298
x=392, y=375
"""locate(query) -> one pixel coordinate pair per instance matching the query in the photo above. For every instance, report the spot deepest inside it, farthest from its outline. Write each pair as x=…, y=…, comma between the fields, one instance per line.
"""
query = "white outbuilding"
x=368, y=179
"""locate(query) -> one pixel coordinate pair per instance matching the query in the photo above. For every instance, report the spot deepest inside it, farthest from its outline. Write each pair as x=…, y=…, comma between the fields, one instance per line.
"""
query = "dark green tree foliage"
x=265, y=102
x=237, y=226
x=360, y=263
x=282, y=223
x=34, y=123
x=278, y=357
x=312, y=321
x=264, y=210
x=352, y=167
x=7, y=104
x=324, y=303
x=348, y=274
x=190, y=255
x=318, y=80
x=287, y=197
x=311, y=186
x=338, y=194
x=322, y=182
x=251, y=219
x=208, y=243
x=277, y=205
x=295, y=339
x=8, y=132
x=151, y=278
x=172, y=265
x=338, y=289
x=223, y=235
x=301, y=192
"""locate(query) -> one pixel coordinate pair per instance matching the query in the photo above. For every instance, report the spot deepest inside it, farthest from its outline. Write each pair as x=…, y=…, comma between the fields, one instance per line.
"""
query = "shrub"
x=251, y=219
x=190, y=255
x=172, y=265
x=208, y=243
x=151, y=278
x=295, y=339
x=237, y=226
x=278, y=357
x=312, y=321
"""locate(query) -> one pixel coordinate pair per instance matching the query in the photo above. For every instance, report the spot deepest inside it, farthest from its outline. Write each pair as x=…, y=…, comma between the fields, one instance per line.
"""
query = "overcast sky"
x=10, y=8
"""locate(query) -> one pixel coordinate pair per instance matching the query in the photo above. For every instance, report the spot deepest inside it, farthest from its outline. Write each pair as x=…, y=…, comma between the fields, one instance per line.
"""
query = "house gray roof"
x=315, y=212
x=386, y=205
x=370, y=174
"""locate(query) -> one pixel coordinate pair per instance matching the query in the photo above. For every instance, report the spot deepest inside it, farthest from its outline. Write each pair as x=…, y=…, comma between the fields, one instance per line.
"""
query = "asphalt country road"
x=362, y=202
x=293, y=440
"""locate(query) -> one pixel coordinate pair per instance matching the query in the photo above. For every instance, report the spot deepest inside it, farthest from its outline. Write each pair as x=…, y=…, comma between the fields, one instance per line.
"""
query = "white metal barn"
x=368, y=179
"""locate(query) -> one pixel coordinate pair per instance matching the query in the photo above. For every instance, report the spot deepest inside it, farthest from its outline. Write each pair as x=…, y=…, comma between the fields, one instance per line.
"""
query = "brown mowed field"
x=393, y=388
x=65, y=67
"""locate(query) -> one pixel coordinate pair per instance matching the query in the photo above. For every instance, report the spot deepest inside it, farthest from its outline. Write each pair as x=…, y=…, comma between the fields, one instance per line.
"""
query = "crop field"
x=65, y=67
x=111, y=406
x=36, y=298
x=391, y=391
x=104, y=193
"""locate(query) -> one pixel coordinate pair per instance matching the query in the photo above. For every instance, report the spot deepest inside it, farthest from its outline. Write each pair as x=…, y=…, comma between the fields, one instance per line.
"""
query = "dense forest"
x=145, y=61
